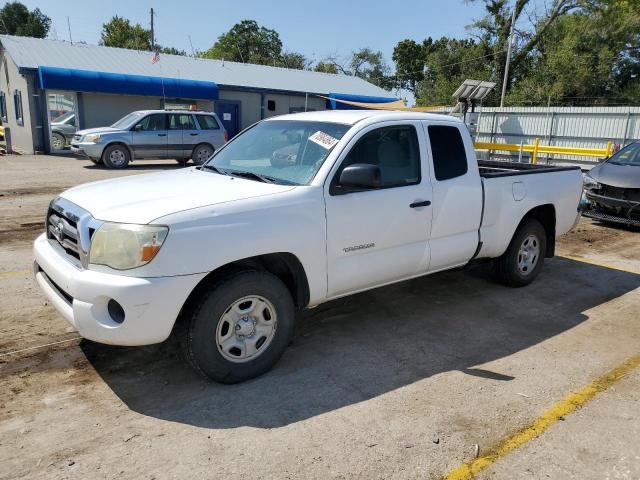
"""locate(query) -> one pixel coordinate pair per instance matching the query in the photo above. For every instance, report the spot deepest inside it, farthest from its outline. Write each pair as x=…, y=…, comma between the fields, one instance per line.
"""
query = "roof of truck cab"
x=351, y=117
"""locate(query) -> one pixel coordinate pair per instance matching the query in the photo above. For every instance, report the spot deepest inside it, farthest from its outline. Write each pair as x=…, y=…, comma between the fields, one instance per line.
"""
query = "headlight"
x=123, y=246
x=91, y=138
x=589, y=183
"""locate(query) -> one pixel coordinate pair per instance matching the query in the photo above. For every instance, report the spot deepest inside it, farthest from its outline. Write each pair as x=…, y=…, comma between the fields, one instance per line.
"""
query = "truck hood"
x=622, y=176
x=144, y=198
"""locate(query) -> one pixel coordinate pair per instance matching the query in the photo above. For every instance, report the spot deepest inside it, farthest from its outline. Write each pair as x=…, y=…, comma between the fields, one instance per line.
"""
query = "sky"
x=316, y=29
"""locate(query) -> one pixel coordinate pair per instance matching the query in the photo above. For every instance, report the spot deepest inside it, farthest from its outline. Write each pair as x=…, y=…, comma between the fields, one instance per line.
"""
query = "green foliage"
x=294, y=60
x=119, y=32
x=16, y=19
x=247, y=42
x=576, y=52
x=171, y=51
x=325, y=67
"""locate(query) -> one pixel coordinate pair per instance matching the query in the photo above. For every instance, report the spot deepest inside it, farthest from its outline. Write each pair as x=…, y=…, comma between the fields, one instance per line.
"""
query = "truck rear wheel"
x=239, y=328
x=522, y=261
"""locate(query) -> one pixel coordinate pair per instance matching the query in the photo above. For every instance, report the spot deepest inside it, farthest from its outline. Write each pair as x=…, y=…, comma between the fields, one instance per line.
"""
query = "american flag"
x=156, y=56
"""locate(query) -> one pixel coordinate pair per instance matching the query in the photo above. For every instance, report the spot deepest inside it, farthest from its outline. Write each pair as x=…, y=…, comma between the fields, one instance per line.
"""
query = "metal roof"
x=29, y=52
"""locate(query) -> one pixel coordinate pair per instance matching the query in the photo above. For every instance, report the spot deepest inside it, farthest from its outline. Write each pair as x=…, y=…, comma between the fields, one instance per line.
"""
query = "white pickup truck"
x=295, y=211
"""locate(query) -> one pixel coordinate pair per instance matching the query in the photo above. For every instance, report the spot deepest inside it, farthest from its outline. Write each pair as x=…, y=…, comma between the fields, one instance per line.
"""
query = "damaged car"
x=612, y=189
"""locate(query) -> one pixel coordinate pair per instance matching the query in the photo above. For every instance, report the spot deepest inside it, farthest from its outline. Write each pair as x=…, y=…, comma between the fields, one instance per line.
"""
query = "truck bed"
x=494, y=169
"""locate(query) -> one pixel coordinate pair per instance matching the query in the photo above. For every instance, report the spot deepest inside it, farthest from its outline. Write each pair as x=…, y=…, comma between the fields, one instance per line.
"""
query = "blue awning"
x=105, y=82
x=333, y=105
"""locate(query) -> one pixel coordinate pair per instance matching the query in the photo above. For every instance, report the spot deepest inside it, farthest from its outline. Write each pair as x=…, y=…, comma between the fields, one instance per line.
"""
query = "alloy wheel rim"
x=57, y=143
x=528, y=254
x=246, y=329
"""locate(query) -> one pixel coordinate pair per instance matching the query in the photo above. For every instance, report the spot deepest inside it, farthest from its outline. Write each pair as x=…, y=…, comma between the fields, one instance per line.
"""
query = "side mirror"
x=361, y=176
x=137, y=127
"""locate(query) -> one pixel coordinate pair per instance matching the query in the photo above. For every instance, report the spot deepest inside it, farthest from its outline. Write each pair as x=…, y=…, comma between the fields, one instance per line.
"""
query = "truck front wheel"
x=239, y=328
x=524, y=257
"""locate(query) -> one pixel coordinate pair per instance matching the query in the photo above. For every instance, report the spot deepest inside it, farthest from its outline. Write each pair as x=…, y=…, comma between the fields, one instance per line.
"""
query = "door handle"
x=162, y=134
x=193, y=134
x=423, y=203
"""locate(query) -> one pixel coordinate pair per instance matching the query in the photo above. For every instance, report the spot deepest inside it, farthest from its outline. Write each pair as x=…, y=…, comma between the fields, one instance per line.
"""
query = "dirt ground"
x=399, y=382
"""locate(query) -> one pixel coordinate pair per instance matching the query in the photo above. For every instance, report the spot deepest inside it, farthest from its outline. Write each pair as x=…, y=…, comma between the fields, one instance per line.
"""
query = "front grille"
x=631, y=194
x=70, y=228
x=64, y=230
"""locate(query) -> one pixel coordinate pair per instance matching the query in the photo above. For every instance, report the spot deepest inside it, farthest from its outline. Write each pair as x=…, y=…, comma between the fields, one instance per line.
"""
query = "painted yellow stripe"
x=537, y=427
x=599, y=264
x=17, y=273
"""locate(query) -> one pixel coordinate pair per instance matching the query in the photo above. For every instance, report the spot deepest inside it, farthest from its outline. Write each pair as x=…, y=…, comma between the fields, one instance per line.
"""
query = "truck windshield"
x=127, y=120
x=287, y=151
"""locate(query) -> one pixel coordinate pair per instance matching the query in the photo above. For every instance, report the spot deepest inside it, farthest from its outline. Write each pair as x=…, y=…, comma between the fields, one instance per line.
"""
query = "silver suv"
x=178, y=134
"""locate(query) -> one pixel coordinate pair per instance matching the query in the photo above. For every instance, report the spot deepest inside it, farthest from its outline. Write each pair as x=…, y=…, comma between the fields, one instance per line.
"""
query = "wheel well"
x=546, y=215
x=285, y=266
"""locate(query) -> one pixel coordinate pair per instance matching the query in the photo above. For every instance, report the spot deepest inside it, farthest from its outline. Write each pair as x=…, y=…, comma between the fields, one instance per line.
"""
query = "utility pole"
x=506, y=66
x=69, y=25
x=153, y=37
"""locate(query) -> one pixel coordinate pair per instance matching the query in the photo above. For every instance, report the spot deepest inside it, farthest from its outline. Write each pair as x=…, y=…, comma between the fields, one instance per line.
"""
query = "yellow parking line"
x=598, y=264
x=17, y=273
x=570, y=403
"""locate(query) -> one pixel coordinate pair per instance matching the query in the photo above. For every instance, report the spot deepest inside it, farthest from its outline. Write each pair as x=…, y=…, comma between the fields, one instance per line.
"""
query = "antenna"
x=193, y=52
x=69, y=25
x=153, y=36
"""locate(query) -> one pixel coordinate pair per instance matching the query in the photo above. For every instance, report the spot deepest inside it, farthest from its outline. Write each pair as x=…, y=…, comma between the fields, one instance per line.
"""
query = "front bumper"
x=612, y=209
x=151, y=305
x=91, y=150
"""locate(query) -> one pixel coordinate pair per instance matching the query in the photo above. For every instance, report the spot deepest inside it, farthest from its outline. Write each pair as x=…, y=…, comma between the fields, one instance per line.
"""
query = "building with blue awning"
x=45, y=80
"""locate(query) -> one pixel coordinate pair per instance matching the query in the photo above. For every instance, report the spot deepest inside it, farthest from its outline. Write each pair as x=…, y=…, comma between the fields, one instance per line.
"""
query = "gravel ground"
x=399, y=382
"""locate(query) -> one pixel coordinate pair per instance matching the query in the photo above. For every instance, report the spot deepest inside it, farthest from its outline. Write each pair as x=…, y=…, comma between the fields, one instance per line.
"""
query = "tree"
x=171, y=51
x=364, y=63
x=447, y=63
x=409, y=58
x=325, y=67
x=247, y=42
x=294, y=60
x=119, y=32
x=589, y=57
x=16, y=19
x=494, y=30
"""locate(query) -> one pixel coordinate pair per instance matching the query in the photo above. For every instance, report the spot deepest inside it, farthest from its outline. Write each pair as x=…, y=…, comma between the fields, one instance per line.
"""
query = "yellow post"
x=534, y=157
x=609, y=148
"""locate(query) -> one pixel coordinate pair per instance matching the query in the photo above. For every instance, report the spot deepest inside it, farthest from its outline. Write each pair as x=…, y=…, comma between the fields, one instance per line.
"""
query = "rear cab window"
x=448, y=152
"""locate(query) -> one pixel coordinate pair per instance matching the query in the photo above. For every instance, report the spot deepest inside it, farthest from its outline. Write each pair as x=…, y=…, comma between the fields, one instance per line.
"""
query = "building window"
x=3, y=107
x=17, y=104
x=271, y=105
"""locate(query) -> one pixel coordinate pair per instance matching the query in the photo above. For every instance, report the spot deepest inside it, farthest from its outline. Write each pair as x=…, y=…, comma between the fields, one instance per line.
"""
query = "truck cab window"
x=394, y=149
x=447, y=149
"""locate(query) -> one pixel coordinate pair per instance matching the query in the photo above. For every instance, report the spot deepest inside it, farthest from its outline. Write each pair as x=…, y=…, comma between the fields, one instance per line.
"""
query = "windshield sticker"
x=323, y=139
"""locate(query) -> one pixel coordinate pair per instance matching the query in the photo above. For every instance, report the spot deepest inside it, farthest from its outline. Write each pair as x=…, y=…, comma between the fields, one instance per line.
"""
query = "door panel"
x=457, y=197
x=183, y=135
x=374, y=236
x=149, y=137
x=229, y=115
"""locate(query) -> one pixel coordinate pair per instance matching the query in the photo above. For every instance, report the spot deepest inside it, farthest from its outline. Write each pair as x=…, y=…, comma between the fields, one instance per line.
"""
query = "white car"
x=224, y=255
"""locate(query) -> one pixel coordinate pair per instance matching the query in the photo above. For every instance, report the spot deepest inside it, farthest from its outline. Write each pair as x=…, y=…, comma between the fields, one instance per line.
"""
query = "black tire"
x=58, y=142
x=116, y=156
x=201, y=153
x=198, y=330
x=511, y=268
